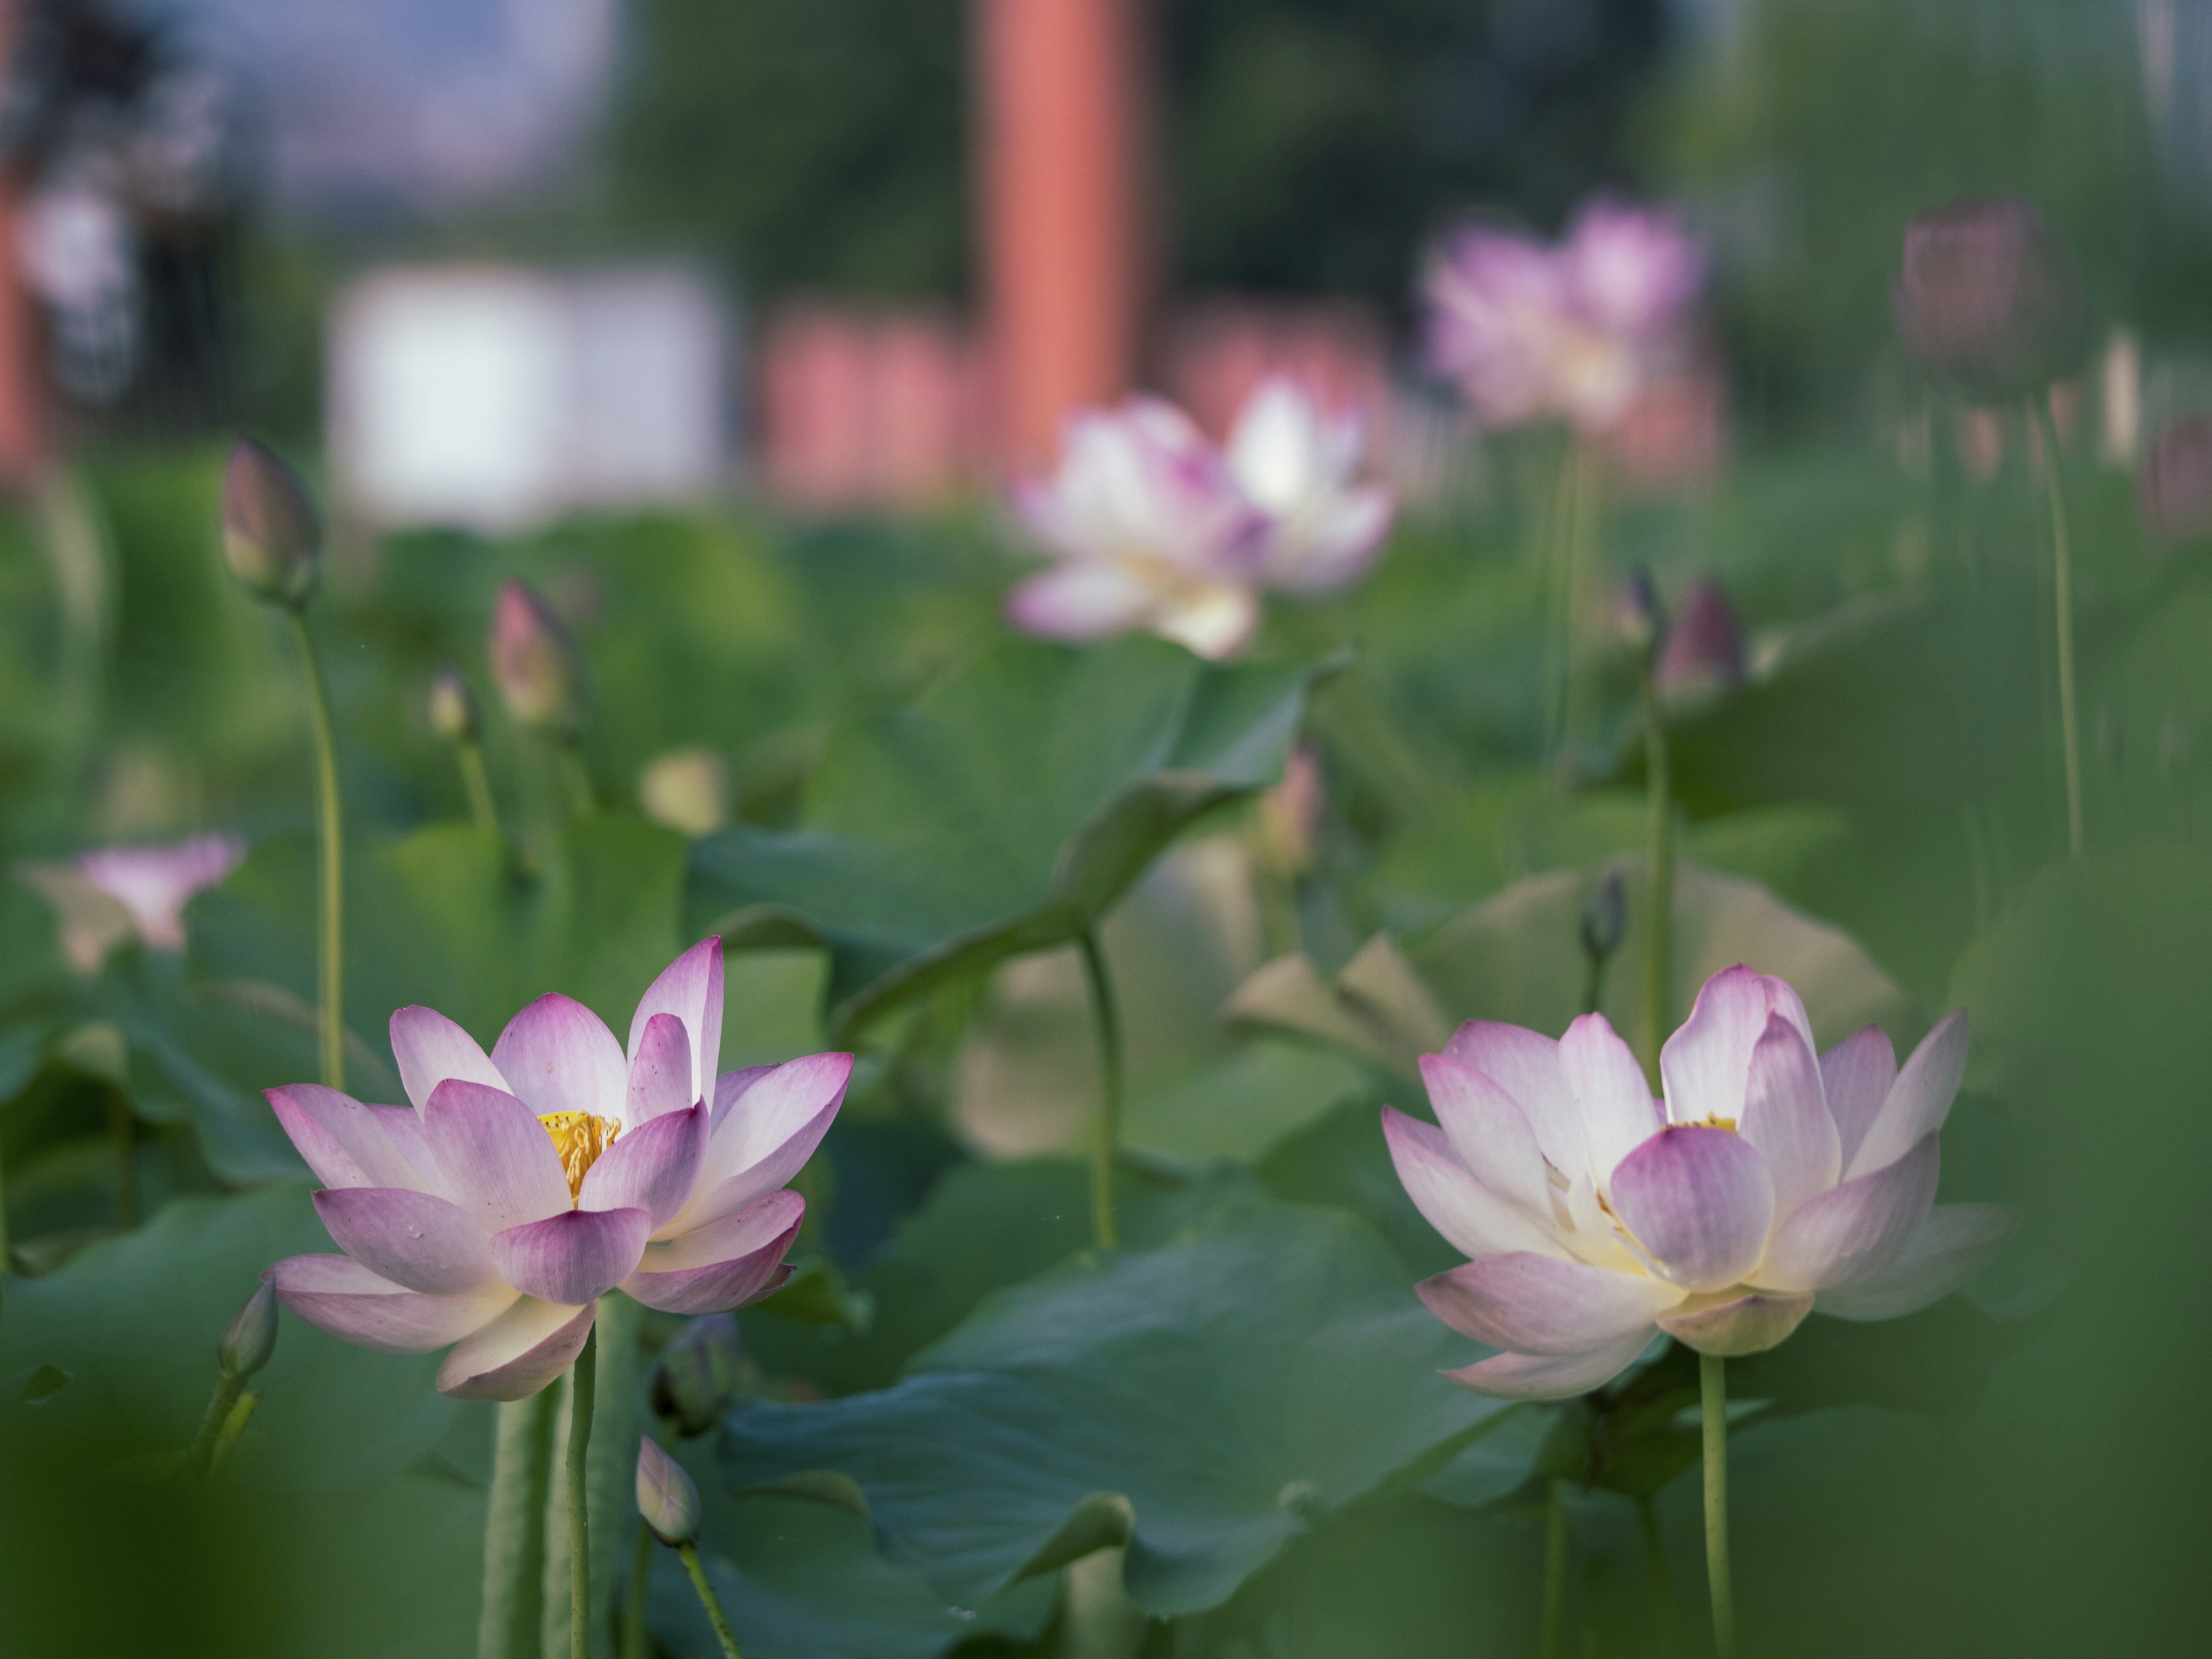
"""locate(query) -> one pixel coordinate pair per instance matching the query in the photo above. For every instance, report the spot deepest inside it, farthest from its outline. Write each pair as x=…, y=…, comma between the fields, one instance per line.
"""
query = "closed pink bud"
x=1704, y=646
x=666, y=1497
x=272, y=537
x=2175, y=494
x=535, y=663
x=1989, y=299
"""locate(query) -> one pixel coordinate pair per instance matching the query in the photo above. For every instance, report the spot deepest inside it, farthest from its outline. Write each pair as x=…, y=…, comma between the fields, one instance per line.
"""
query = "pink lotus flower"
x=1298, y=467
x=518, y=1189
x=155, y=884
x=1766, y=1183
x=1571, y=332
x=1150, y=530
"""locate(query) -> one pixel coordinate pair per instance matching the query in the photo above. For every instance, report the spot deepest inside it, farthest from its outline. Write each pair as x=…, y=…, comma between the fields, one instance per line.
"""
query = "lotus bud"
x=666, y=1497
x=2174, y=495
x=1704, y=646
x=454, y=707
x=1641, y=617
x=1290, y=816
x=250, y=1336
x=272, y=537
x=1604, y=917
x=1989, y=299
x=697, y=1376
x=535, y=664
x=686, y=789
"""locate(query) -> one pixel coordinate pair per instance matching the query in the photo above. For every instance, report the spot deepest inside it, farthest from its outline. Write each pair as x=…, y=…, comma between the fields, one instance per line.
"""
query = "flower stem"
x=233, y=1432
x=1107, y=1132
x=483, y=811
x=1555, y=1571
x=1559, y=600
x=1712, y=1385
x=514, y=1529
x=640, y=1580
x=581, y=801
x=2038, y=409
x=4, y=1220
x=1664, y=1617
x=202, y=1453
x=708, y=1599
x=331, y=938
x=582, y=1386
x=1658, y=944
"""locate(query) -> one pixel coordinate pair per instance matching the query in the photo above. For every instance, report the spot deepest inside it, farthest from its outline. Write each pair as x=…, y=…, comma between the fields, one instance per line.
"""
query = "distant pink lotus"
x=1572, y=331
x=1299, y=465
x=155, y=884
x=521, y=1187
x=1766, y=1183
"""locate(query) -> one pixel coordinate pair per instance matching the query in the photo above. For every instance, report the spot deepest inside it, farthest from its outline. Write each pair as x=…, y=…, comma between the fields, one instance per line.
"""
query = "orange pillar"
x=1062, y=239
x=24, y=449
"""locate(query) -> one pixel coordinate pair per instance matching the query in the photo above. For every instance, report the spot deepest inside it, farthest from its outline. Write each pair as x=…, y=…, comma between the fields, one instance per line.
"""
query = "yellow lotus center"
x=579, y=1138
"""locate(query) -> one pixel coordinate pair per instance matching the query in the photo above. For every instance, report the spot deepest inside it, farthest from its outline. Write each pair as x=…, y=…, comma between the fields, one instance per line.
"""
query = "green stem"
x=1712, y=1385
x=1658, y=944
x=708, y=1599
x=1593, y=981
x=2069, y=731
x=219, y=1404
x=578, y=777
x=1107, y=1132
x=640, y=1580
x=1559, y=608
x=233, y=1431
x=331, y=934
x=1555, y=1571
x=121, y=1137
x=514, y=1529
x=3, y=1220
x=581, y=1388
x=1663, y=1615
x=483, y=811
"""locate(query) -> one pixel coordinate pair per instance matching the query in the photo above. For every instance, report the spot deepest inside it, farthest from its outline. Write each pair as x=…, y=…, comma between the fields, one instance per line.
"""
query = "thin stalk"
x=1712, y=1386
x=581, y=1388
x=1593, y=981
x=1555, y=1571
x=708, y=1599
x=234, y=1432
x=483, y=811
x=510, y=1625
x=1658, y=944
x=121, y=1137
x=3, y=1220
x=1559, y=600
x=1664, y=1618
x=1107, y=1132
x=218, y=1411
x=1581, y=544
x=331, y=979
x=578, y=778
x=640, y=1581
x=2039, y=410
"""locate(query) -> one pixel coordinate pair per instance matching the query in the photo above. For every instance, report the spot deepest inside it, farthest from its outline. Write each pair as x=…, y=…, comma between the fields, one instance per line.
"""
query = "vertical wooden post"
x=26, y=451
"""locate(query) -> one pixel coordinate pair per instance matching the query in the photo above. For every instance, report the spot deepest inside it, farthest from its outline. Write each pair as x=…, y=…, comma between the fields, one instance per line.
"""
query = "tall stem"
x=233, y=1433
x=331, y=938
x=510, y=1625
x=1555, y=1571
x=218, y=1411
x=1712, y=1386
x=2038, y=409
x=483, y=811
x=1658, y=943
x=1107, y=1132
x=581, y=1388
x=1663, y=1618
x=4, y=1220
x=708, y=1600
x=640, y=1582
x=1559, y=608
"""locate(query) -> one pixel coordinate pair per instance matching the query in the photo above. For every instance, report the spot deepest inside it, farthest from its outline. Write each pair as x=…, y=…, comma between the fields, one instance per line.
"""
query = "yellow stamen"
x=579, y=1138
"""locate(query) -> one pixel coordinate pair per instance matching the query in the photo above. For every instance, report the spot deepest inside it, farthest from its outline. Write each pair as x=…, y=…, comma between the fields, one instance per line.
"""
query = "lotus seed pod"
x=535, y=664
x=454, y=707
x=250, y=1336
x=666, y=1497
x=1604, y=917
x=697, y=1376
x=1989, y=299
x=272, y=537
x=1704, y=650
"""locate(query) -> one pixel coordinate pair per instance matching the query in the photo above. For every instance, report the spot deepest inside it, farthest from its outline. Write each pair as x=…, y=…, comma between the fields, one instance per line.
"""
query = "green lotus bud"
x=250, y=1336
x=1989, y=299
x=272, y=537
x=1604, y=917
x=535, y=664
x=686, y=789
x=666, y=1497
x=697, y=1376
x=454, y=707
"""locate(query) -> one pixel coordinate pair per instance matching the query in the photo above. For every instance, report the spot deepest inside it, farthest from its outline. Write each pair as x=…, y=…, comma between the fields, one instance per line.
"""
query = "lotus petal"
x=336, y=1294
x=1856, y=1228
x=1919, y=1100
x=499, y=1162
x=518, y=1354
x=1751, y=1323
x=1700, y=1201
x=690, y=988
x=1955, y=1243
x=430, y=1048
x=557, y=1057
x=1540, y=1305
x=730, y=1264
x=575, y=1257
x=1550, y=1376
x=652, y=1167
x=1472, y=1219
x=412, y=1239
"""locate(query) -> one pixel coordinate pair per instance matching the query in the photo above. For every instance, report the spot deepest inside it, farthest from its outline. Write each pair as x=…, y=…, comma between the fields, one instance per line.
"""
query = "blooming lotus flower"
x=1767, y=1182
x=155, y=884
x=1150, y=530
x=1570, y=333
x=1296, y=465
x=522, y=1186
x=1988, y=298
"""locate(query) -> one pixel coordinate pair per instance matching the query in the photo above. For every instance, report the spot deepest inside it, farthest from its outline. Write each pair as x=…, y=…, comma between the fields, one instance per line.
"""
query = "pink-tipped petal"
x=1551, y=1376
x=730, y=1264
x=336, y=1294
x=1854, y=1230
x=1472, y=1219
x=1526, y=1065
x=1919, y=1100
x=733, y=1086
x=1614, y=1103
x=575, y=1257
x=1489, y=1131
x=422, y=1243
x=1751, y=1323
x=518, y=1354
x=1539, y=1305
x=652, y=1168
x=345, y=1142
x=557, y=1057
x=1083, y=600
x=690, y=988
x=498, y=1160
x=1856, y=1075
x=1213, y=620
x=1706, y=1063
x=1699, y=1202
x=430, y=1048
x=1955, y=1243
x=768, y=1132
x=403, y=1127
x=1786, y=1116
x=659, y=1070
